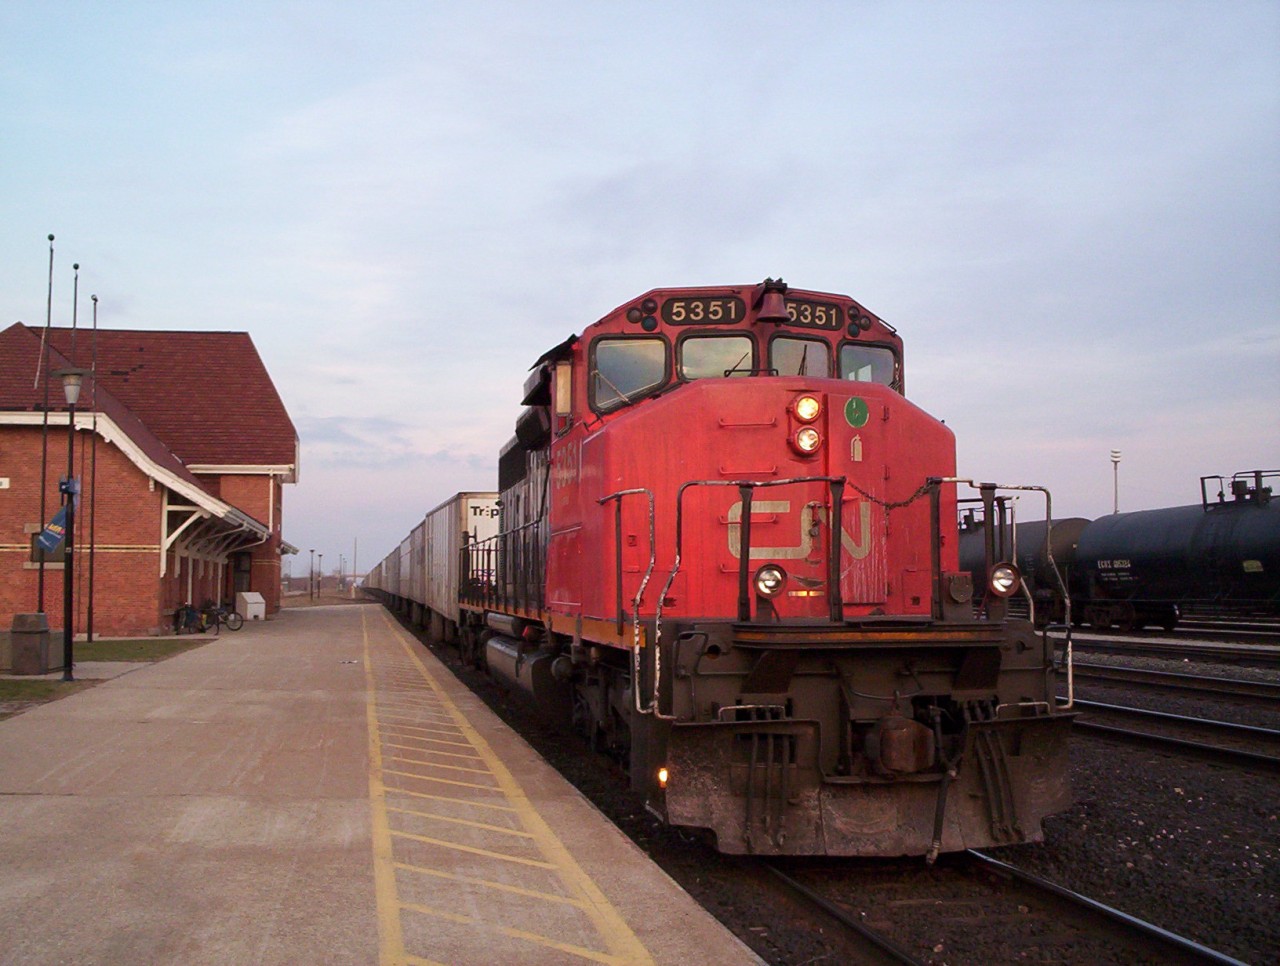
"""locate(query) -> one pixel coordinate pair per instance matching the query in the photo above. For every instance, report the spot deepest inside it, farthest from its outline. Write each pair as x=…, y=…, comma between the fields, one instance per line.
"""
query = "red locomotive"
x=727, y=550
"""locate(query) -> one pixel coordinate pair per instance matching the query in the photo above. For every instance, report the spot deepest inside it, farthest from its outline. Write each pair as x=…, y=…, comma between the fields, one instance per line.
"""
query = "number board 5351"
x=703, y=311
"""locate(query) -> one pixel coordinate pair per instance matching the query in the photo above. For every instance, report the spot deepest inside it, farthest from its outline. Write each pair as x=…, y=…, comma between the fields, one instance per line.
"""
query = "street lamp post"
x=71, y=380
x=1115, y=473
x=319, y=574
x=311, y=576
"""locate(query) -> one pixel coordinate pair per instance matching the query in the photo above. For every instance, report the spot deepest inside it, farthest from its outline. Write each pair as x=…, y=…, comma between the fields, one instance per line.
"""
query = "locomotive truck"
x=727, y=553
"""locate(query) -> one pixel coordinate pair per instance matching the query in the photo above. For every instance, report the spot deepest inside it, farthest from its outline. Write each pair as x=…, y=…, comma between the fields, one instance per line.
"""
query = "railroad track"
x=1251, y=747
x=1241, y=628
x=971, y=908
x=1257, y=655
x=1262, y=692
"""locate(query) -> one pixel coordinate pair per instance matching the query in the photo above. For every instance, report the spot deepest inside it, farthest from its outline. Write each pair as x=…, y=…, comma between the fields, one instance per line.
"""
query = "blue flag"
x=52, y=535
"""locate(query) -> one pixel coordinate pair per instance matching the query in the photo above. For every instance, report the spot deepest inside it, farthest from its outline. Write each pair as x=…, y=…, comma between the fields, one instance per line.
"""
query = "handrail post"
x=744, y=555
x=833, y=558
x=935, y=545
x=617, y=572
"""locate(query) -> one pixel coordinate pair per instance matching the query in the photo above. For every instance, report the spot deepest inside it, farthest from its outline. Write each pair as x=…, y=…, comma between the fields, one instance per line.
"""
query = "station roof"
x=206, y=395
x=22, y=401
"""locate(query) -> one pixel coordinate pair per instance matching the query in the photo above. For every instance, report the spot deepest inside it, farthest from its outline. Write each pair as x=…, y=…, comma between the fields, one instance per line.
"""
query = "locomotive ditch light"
x=1004, y=579
x=807, y=408
x=807, y=440
x=770, y=579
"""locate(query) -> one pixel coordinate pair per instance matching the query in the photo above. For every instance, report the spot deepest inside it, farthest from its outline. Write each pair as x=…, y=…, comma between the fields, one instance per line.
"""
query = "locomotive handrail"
x=489, y=593
x=617, y=524
x=745, y=487
x=635, y=650
x=990, y=488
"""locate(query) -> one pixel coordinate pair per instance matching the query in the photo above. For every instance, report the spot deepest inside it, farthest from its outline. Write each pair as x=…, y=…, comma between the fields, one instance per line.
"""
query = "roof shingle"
x=206, y=395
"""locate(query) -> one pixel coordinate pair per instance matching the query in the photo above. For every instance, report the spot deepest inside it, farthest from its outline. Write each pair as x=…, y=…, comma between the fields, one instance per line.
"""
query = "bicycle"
x=219, y=615
x=188, y=620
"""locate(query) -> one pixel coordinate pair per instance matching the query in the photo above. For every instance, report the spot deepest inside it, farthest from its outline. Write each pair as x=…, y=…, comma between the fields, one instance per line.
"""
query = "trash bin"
x=29, y=644
x=251, y=606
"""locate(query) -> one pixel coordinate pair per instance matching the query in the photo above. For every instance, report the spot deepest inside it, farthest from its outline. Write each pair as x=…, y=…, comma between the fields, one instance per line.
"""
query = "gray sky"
x=1070, y=211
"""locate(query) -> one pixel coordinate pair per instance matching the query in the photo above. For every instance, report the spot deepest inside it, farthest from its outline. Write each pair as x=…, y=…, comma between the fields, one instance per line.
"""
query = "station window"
x=625, y=369
x=56, y=556
x=716, y=356
x=800, y=357
x=867, y=363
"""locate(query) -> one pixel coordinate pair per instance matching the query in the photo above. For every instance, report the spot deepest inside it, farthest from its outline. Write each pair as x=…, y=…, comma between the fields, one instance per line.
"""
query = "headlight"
x=1004, y=579
x=807, y=408
x=808, y=439
x=769, y=580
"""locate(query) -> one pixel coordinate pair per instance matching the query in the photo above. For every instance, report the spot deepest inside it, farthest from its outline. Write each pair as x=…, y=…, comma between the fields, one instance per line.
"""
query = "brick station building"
x=182, y=449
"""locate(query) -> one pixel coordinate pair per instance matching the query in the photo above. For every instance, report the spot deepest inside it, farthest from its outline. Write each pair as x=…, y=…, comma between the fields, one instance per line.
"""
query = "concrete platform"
x=317, y=789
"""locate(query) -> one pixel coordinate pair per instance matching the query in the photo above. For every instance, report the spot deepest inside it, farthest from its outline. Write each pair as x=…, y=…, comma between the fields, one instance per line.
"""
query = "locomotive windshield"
x=627, y=368
x=712, y=356
x=800, y=357
x=867, y=363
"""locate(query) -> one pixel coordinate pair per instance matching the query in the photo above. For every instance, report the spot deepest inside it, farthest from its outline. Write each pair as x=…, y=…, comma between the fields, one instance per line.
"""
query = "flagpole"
x=77, y=575
x=42, y=362
x=93, y=469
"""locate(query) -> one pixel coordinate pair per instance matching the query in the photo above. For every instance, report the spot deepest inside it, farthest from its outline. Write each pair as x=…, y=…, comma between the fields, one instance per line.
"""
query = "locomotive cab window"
x=800, y=357
x=868, y=363
x=715, y=356
x=625, y=369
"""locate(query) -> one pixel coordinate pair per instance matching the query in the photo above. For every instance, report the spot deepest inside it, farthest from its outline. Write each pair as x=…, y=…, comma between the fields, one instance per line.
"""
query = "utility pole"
x=1115, y=473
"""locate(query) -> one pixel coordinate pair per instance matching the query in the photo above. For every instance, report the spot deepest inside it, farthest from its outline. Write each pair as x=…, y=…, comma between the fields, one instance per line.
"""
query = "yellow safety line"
x=622, y=942
x=418, y=712
x=489, y=884
x=473, y=850
x=483, y=826
x=496, y=806
x=390, y=937
x=396, y=756
x=442, y=781
x=532, y=937
x=430, y=751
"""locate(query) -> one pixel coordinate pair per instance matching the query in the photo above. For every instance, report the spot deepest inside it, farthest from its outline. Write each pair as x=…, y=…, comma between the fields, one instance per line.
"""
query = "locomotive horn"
x=771, y=301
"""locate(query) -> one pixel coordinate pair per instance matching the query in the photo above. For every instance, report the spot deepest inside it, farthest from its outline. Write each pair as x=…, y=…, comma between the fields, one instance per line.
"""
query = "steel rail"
x=1262, y=655
x=1214, y=753
x=1170, y=941
x=1179, y=681
x=1227, y=727
x=885, y=945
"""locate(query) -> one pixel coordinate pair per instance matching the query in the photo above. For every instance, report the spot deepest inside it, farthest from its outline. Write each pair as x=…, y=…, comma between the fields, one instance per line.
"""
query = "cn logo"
x=811, y=518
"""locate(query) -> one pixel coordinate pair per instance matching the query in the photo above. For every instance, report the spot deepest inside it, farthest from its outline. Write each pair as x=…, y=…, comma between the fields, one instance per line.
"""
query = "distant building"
x=182, y=448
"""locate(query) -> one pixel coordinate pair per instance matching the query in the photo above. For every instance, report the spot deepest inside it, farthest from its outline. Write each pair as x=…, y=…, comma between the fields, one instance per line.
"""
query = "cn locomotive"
x=1218, y=558
x=727, y=553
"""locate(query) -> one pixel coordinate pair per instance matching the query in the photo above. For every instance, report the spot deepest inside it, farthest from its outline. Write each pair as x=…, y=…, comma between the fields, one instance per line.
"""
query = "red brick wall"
x=261, y=497
x=130, y=597
x=124, y=518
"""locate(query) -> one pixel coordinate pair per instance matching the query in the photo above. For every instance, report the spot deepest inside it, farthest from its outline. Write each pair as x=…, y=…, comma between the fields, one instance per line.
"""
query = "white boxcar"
x=475, y=514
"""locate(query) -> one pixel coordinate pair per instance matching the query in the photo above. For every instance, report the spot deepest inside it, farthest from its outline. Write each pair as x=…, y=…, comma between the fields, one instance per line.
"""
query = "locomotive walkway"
x=316, y=788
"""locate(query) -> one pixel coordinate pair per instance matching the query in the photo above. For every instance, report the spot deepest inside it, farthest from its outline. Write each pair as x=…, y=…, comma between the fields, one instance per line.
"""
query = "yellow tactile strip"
x=466, y=868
